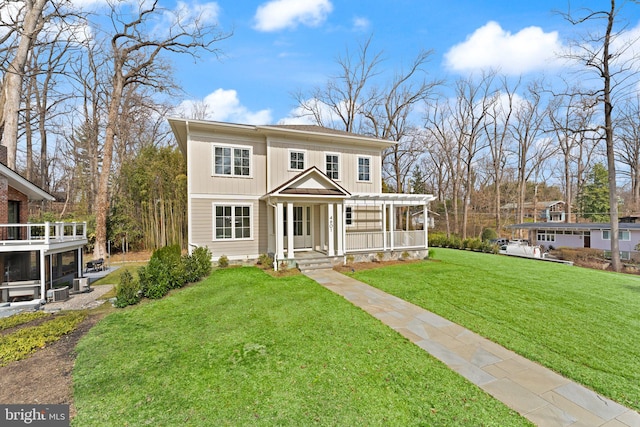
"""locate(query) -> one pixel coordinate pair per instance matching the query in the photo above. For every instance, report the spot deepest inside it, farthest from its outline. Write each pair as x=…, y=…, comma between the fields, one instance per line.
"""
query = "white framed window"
x=623, y=235
x=297, y=160
x=232, y=222
x=232, y=160
x=348, y=215
x=546, y=236
x=332, y=165
x=364, y=169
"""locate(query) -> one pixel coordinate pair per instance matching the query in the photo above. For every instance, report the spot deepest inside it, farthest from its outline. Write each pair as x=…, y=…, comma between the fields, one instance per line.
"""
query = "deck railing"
x=375, y=240
x=46, y=233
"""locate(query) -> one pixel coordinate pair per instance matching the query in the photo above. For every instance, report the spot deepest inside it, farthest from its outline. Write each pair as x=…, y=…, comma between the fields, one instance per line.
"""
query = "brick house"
x=34, y=258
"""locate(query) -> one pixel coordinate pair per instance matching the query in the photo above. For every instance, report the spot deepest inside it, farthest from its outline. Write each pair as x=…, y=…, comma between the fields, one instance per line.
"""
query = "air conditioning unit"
x=59, y=294
x=80, y=284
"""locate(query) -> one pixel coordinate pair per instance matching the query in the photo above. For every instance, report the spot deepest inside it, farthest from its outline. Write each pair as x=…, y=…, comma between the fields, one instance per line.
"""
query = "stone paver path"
x=541, y=395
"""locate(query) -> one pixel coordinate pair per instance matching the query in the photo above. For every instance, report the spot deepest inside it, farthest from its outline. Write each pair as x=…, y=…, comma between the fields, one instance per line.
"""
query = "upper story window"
x=233, y=161
x=364, y=169
x=332, y=165
x=296, y=160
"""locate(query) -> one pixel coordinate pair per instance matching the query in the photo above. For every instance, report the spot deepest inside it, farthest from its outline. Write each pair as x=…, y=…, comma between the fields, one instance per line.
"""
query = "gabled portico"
x=306, y=214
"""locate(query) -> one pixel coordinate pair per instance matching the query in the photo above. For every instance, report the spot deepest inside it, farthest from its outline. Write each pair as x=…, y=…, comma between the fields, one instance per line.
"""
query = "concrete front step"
x=314, y=264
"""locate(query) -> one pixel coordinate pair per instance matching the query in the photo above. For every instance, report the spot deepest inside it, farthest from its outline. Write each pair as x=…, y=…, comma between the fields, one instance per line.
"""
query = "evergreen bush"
x=127, y=291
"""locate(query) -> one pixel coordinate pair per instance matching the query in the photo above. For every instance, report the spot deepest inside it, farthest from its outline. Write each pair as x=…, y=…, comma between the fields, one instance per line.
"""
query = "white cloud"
x=361, y=24
x=530, y=49
x=223, y=105
x=281, y=14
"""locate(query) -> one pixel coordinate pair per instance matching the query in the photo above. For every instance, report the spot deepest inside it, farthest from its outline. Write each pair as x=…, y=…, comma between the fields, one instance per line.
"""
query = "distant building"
x=583, y=235
x=551, y=211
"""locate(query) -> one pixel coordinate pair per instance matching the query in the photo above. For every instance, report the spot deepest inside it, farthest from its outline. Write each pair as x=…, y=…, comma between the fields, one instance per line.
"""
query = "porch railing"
x=47, y=233
x=375, y=240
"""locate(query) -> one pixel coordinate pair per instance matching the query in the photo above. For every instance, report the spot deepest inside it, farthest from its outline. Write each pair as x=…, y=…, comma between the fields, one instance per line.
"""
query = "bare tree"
x=27, y=32
x=341, y=102
x=628, y=149
x=469, y=119
x=135, y=60
x=532, y=150
x=571, y=117
x=498, y=133
x=612, y=61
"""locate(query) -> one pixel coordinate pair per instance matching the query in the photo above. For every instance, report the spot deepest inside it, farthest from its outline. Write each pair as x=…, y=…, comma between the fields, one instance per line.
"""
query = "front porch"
x=360, y=226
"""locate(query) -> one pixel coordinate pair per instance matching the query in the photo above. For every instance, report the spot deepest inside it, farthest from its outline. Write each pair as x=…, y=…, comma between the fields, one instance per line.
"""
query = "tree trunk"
x=103, y=199
x=13, y=78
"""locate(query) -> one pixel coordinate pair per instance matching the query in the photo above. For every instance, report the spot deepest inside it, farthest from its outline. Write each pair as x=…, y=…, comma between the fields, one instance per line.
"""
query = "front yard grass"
x=584, y=324
x=245, y=348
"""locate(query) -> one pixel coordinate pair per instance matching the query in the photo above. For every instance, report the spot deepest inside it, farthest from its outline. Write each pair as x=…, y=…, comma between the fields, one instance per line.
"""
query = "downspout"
x=190, y=244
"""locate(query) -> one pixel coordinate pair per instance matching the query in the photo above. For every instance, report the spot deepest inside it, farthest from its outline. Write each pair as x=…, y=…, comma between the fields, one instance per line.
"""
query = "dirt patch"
x=45, y=377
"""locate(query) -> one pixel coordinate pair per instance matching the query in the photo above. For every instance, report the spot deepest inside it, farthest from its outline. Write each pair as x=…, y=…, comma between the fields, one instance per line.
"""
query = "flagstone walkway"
x=544, y=397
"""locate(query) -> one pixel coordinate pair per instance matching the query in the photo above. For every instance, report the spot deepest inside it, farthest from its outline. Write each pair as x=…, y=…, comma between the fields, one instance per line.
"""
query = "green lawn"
x=245, y=348
x=582, y=323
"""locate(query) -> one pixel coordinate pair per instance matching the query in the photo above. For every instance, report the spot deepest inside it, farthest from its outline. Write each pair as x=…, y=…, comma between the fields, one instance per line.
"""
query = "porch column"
x=323, y=229
x=340, y=228
x=290, y=230
x=279, y=232
x=384, y=226
x=331, y=229
x=43, y=292
x=270, y=230
x=425, y=225
x=392, y=226
x=80, y=263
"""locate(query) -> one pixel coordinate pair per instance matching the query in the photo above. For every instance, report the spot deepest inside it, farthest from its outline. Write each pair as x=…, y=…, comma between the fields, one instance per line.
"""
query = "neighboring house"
x=34, y=258
x=552, y=211
x=583, y=235
x=290, y=191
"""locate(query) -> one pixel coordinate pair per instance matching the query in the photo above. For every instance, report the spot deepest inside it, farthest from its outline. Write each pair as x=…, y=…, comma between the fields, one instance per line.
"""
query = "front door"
x=302, y=227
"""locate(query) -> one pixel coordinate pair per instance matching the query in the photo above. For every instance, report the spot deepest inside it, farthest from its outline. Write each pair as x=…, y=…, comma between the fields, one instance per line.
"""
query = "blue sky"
x=282, y=46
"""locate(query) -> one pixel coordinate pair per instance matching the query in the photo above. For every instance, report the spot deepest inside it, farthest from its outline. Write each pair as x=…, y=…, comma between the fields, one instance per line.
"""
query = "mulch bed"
x=45, y=377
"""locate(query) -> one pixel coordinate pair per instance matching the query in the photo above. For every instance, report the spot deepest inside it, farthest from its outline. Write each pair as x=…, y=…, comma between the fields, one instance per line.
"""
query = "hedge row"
x=455, y=242
x=168, y=269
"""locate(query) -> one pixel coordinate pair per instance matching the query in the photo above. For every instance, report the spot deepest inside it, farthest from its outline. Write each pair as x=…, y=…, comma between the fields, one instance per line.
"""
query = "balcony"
x=49, y=233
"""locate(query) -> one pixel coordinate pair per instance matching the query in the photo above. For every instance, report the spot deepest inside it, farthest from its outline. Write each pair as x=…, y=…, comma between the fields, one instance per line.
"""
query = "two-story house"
x=34, y=258
x=291, y=191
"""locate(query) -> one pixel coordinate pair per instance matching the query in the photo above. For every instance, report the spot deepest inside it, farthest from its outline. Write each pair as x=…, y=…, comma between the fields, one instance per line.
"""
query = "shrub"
x=488, y=234
x=128, y=291
x=431, y=253
x=380, y=256
x=154, y=279
x=405, y=255
x=198, y=264
x=265, y=261
x=173, y=267
x=350, y=259
x=223, y=261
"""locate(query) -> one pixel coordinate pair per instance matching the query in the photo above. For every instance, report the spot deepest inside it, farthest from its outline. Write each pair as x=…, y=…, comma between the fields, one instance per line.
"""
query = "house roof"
x=183, y=127
x=311, y=182
x=530, y=205
x=572, y=226
x=23, y=185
